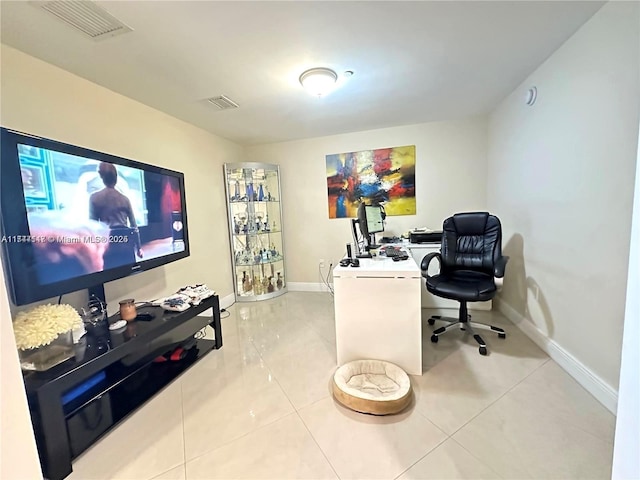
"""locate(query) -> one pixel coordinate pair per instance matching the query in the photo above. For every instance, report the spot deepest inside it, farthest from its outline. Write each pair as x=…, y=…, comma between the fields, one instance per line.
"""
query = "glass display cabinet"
x=255, y=229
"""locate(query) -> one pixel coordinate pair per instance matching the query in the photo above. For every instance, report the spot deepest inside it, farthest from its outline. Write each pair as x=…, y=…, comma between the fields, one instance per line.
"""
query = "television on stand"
x=370, y=220
x=74, y=218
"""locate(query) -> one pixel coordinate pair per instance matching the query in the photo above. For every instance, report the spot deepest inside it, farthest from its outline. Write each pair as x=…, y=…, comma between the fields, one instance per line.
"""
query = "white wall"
x=18, y=453
x=45, y=100
x=450, y=176
x=626, y=461
x=561, y=179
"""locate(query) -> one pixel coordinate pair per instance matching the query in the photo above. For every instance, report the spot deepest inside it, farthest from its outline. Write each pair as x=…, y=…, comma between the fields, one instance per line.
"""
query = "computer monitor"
x=370, y=221
x=373, y=214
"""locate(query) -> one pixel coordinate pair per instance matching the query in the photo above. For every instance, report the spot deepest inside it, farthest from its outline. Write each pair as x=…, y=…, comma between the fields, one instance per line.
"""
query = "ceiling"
x=414, y=62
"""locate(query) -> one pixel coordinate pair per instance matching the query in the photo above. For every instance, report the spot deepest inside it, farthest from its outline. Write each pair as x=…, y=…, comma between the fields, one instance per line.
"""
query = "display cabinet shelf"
x=240, y=263
x=259, y=232
x=255, y=230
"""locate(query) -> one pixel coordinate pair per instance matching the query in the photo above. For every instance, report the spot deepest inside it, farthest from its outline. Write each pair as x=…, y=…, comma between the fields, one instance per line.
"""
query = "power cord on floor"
x=330, y=284
x=203, y=332
x=325, y=280
x=224, y=310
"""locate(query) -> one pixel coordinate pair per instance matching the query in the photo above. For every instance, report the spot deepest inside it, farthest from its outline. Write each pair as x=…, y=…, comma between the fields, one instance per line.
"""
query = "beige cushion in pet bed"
x=372, y=386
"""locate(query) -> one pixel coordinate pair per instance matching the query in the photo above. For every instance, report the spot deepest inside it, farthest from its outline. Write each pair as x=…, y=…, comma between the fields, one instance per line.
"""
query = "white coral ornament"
x=41, y=325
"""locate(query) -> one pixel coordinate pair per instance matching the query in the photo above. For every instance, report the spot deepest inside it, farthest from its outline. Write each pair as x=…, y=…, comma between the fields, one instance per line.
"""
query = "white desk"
x=377, y=312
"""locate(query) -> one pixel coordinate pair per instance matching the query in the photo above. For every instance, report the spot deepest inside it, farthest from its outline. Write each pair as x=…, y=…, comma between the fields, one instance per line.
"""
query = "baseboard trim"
x=227, y=300
x=596, y=386
x=307, y=287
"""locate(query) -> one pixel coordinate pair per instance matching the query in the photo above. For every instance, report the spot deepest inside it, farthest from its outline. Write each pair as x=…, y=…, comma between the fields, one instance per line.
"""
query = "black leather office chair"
x=470, y=259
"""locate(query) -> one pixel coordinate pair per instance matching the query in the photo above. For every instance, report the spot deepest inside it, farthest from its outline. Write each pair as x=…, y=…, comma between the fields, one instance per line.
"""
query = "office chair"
x=470, y=257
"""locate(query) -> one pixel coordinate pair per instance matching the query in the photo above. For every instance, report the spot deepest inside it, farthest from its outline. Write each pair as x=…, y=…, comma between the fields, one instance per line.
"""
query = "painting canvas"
x=385, y=175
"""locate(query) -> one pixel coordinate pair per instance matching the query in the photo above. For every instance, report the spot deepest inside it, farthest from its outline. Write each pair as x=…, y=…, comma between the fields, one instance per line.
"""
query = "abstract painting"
x=385, y=176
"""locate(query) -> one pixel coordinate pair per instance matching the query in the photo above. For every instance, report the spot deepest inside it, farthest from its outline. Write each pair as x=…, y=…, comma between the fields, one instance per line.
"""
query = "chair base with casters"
x=464, y=323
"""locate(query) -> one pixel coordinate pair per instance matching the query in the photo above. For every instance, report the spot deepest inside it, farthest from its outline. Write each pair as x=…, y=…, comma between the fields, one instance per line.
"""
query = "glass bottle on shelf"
x=253, y=190
x=257, y=285
x=246, y=282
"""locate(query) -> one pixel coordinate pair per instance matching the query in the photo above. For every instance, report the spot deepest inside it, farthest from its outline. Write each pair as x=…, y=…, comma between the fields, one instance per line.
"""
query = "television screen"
x=74, y=218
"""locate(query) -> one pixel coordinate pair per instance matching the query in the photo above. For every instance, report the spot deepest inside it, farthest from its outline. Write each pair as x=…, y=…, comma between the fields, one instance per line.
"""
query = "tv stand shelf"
x=122, y=364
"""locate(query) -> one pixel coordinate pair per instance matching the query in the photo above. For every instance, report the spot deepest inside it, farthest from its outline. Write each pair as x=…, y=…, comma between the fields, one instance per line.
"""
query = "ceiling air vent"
x=85, y=16
x=222, y=102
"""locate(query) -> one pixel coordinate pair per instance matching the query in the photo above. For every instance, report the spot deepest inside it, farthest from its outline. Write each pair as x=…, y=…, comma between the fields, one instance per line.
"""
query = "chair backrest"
x=471, y=241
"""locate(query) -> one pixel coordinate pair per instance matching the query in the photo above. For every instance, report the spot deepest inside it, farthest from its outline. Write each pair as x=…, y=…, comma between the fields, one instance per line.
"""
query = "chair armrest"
x=424, y=265
x=499, y=267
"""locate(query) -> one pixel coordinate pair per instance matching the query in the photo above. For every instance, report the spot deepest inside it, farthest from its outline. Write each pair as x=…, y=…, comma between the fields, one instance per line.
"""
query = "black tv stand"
x=112, y=374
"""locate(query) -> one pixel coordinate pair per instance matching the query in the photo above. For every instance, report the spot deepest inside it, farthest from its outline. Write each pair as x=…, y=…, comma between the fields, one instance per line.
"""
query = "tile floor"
x=261, y=408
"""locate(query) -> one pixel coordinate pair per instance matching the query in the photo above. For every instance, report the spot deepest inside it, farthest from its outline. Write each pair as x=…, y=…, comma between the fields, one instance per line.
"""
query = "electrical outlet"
x=321, y=263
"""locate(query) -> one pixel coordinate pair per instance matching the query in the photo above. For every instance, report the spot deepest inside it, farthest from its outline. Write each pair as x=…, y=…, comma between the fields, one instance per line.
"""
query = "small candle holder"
x=128, y=310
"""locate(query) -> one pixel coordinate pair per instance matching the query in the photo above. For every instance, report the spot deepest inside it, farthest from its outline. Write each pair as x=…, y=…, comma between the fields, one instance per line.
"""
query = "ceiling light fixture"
x=319, y=81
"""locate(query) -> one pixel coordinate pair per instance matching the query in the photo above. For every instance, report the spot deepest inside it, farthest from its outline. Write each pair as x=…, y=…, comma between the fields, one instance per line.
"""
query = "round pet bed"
x=372, y=386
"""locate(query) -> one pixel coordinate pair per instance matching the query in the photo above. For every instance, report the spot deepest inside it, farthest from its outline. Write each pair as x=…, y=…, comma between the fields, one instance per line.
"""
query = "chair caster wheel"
x=502, y=335
x=434, y=339
x=431, y=321
x=483, y=350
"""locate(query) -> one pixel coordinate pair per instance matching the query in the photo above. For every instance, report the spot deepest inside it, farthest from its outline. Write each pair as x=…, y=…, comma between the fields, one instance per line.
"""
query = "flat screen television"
x=74, y=218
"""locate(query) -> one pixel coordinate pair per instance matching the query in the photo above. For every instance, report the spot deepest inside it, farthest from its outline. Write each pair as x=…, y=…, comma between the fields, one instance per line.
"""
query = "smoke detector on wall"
x=85, y=16
x=532, y=95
